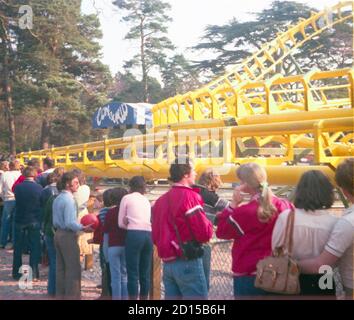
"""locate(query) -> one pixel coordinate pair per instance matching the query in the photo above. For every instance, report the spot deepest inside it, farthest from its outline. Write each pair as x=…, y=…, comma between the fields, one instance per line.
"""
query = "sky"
x=190, y=17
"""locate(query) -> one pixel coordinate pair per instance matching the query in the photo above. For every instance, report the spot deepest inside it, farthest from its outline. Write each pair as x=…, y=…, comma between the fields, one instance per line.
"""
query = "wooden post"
x=89, y=261
x=155, y=292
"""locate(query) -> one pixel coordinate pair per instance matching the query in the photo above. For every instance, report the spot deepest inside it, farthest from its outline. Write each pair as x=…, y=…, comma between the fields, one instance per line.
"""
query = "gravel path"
x=10, y=289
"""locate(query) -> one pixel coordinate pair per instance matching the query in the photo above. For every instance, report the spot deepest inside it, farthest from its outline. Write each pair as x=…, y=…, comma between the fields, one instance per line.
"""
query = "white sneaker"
x=9, y=246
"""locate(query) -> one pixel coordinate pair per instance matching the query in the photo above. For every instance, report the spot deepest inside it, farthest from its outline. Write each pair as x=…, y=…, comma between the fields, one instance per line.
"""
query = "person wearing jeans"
x=138, y=252
x=184, y=278
x=119, y=279
x=27, y=222
x=116, y=247
x=49, y=241
x=209, y=182
x=48, y=195
x=7, y=179
x=33, y=237
x=135, y=216
x=7, y=224
x=179, y=217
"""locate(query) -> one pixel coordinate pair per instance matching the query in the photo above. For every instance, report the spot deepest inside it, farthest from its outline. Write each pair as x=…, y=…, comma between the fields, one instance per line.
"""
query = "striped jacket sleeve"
x=229, y=224
x=201, y=227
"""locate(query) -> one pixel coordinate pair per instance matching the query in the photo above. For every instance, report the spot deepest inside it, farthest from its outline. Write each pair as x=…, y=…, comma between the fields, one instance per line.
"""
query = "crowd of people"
x=43, y=209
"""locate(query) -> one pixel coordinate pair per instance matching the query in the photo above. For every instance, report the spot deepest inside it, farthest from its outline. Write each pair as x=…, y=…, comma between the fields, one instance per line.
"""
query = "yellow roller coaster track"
x=218, y=98
x=247, y=115
x=316, y=90
x=328, y=141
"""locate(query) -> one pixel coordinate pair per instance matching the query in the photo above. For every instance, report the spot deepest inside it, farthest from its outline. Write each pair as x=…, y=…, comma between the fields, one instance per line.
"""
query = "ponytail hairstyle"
x=256, y=179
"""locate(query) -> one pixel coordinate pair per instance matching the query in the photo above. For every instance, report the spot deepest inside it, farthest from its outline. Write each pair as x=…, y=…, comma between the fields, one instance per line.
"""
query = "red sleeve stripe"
x=194, y=210
x=236, y=225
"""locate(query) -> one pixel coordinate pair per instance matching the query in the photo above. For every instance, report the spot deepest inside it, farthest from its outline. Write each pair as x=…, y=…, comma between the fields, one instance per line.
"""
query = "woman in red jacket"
x=250, y=225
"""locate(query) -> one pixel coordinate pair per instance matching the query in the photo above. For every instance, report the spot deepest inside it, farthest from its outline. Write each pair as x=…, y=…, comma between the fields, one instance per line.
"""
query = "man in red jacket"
x=178, y=219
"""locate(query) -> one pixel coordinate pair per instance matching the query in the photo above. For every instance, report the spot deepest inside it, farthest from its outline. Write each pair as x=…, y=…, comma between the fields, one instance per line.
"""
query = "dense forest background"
x=52, y=79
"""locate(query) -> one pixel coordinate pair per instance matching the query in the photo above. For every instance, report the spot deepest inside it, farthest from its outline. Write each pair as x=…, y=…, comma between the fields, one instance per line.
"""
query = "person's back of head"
x=181, y=169
x=59, y=171
x=34, y=163
x=344, y=177
x=48, y=163
x=15, y=165
x=137, y=184
x=107, y=199
x=117, y=195
x=314, y=191
x=52, y=178
x=210, y=179
x=29, y=172
x=255, y=177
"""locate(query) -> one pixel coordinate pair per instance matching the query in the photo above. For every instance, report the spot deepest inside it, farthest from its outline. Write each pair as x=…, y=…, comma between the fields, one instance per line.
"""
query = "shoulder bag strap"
x=289, y=232
x=172, y=215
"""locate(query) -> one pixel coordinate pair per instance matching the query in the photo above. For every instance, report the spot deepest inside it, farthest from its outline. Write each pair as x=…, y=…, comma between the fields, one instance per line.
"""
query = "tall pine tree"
x=148, y=20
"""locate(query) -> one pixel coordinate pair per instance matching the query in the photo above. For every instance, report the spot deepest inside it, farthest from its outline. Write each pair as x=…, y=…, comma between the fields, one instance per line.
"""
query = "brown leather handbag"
x=279, y=273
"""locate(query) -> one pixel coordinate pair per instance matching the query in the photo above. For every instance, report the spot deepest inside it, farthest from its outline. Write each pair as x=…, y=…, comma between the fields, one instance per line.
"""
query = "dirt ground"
x=10, y=289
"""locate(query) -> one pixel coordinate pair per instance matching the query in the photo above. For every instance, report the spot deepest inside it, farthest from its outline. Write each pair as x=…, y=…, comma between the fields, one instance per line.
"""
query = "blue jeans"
x=33, y=232
x=117, y=265
x=185, y=279
x=206, y=258
x=49, y=241
x=105, y=247
x=8, y=223
x=138, y=255
x=106, y=275
x=244, y=286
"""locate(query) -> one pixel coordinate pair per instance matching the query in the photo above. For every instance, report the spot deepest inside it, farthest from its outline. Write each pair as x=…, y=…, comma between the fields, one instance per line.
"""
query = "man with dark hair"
x=340, y=245
x=178, y=219
x=48, y=167
x=36, y=164
x=27, y=221
x=68, y=268
x=181, y=167
x=48, y=163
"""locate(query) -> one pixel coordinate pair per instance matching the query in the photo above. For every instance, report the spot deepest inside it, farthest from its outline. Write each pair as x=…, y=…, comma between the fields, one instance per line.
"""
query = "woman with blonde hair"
x=250, y=225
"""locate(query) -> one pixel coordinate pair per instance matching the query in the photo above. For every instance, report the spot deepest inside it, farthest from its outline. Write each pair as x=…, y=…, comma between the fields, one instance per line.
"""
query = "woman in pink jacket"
x=250, y=225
